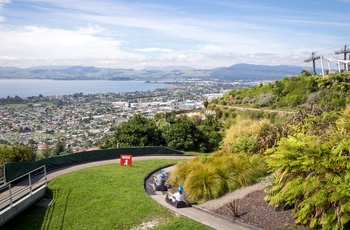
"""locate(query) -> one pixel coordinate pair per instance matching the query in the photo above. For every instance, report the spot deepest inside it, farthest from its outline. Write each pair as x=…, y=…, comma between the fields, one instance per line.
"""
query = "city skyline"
x=201, y=34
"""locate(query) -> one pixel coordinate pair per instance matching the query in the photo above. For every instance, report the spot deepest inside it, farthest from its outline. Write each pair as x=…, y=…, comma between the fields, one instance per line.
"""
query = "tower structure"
x=344, y=51
x=312, y=58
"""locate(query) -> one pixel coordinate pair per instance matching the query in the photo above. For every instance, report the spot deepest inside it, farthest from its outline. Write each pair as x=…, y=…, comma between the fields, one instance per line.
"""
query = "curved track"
x=196, y=213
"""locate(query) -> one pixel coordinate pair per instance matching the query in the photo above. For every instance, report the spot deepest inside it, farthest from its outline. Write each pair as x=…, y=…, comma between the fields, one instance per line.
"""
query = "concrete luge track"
x=196, y=213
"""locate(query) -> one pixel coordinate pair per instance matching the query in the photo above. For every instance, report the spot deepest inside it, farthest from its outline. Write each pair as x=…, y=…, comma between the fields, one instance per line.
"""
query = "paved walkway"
x=199, y=213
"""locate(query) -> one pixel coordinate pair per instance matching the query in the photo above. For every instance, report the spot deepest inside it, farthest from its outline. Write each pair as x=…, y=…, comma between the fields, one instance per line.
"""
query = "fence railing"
x=2, y=175
x=21, y=187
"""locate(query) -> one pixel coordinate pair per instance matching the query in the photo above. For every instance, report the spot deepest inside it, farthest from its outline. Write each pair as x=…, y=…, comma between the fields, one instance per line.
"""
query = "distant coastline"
x=47, y=87
x=91, y=79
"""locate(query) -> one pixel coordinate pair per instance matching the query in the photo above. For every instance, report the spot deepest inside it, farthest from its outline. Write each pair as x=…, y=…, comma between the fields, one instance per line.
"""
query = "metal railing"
x=23, y=186
x=2, y=175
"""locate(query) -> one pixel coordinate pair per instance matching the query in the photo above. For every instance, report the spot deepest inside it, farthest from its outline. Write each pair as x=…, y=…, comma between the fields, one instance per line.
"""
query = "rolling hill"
x=238, y=72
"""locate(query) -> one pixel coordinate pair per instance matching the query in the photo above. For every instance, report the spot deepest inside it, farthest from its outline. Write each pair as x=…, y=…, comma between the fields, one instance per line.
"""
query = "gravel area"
x=253, y=210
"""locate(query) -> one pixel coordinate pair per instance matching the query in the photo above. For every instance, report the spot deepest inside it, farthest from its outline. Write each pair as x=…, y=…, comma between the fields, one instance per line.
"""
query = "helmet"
x=180, y=189
x=162, y=175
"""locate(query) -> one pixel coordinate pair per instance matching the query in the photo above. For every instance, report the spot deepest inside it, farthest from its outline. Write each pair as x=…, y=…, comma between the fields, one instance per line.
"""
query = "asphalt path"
x=199, y=213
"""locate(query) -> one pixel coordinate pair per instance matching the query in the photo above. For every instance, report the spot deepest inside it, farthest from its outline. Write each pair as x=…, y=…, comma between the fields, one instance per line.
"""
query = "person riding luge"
x=160, y=183
x=177, y=199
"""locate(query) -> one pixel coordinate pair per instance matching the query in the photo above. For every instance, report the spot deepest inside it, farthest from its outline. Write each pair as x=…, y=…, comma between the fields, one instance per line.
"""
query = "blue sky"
x=197, y=33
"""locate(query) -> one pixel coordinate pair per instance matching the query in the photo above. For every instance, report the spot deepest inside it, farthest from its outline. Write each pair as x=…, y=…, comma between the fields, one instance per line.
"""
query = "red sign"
x=125, y=160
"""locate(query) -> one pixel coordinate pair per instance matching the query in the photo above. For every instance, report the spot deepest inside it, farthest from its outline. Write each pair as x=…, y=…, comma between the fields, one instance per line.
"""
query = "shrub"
x=313, y=98
x=245, y=144
x=265, y=99
x=245, y=100
x=312, y=176
x=250, y=136
x=343, y=123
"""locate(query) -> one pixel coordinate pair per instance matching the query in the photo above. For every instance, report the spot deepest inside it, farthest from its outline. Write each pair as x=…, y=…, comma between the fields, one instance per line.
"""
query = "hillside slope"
x=314, y=93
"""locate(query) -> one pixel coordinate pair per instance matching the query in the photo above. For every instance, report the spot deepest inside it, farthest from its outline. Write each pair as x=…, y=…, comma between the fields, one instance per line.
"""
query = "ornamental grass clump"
x=208, y=177
x=203, y=183
x=182, y=169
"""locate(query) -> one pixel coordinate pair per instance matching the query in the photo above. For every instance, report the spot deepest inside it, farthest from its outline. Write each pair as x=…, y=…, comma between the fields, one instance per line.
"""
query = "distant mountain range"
x=238, y=72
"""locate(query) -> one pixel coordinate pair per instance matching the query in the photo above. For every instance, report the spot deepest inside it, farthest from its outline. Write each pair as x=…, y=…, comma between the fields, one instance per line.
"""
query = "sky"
x=202, y=34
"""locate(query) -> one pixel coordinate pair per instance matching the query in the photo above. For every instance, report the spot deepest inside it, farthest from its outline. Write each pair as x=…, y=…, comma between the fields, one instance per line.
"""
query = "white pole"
x=322, y=65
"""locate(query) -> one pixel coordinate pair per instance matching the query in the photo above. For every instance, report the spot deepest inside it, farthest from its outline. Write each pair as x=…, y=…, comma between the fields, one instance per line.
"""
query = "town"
x=80, y=121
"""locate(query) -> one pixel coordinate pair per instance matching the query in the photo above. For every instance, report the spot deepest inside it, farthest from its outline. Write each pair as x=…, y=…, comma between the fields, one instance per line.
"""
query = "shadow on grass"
x=34, y=213
x=40, y=216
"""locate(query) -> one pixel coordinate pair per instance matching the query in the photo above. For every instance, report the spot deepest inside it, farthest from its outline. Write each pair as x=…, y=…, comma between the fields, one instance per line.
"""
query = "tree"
x=312, y=84
x=106, y=142
x=59, y=148
x=278, y=89
x=205, y=104
x=137, y=131
x=32, y=142
x=306, y=73
x=211, y=133
x=180, y=133
x=197, y=119
x=218, y=113
x=46, y=152
x=17, y=153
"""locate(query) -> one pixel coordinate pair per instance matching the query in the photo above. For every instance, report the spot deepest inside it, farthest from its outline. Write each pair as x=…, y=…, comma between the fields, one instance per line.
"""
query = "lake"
x=35, y=87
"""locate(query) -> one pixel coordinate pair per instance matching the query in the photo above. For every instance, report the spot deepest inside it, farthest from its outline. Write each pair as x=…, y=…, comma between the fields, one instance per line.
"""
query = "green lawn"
x=196, y=153
x=16, y=106
x=102, y=197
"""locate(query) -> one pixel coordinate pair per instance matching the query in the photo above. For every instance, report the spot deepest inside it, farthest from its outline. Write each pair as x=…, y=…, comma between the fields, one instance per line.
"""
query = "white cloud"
x=182, y=57
x=130, y=33
x=7, y=58
x=211, y=49
x=32, y=42
x=154, y=49
x=5, y=1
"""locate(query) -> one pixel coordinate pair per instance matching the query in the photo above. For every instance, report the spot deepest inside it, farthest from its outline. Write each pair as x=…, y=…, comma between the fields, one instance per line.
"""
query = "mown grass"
x=102, y=197
x=195, y=153
x=16, y=106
